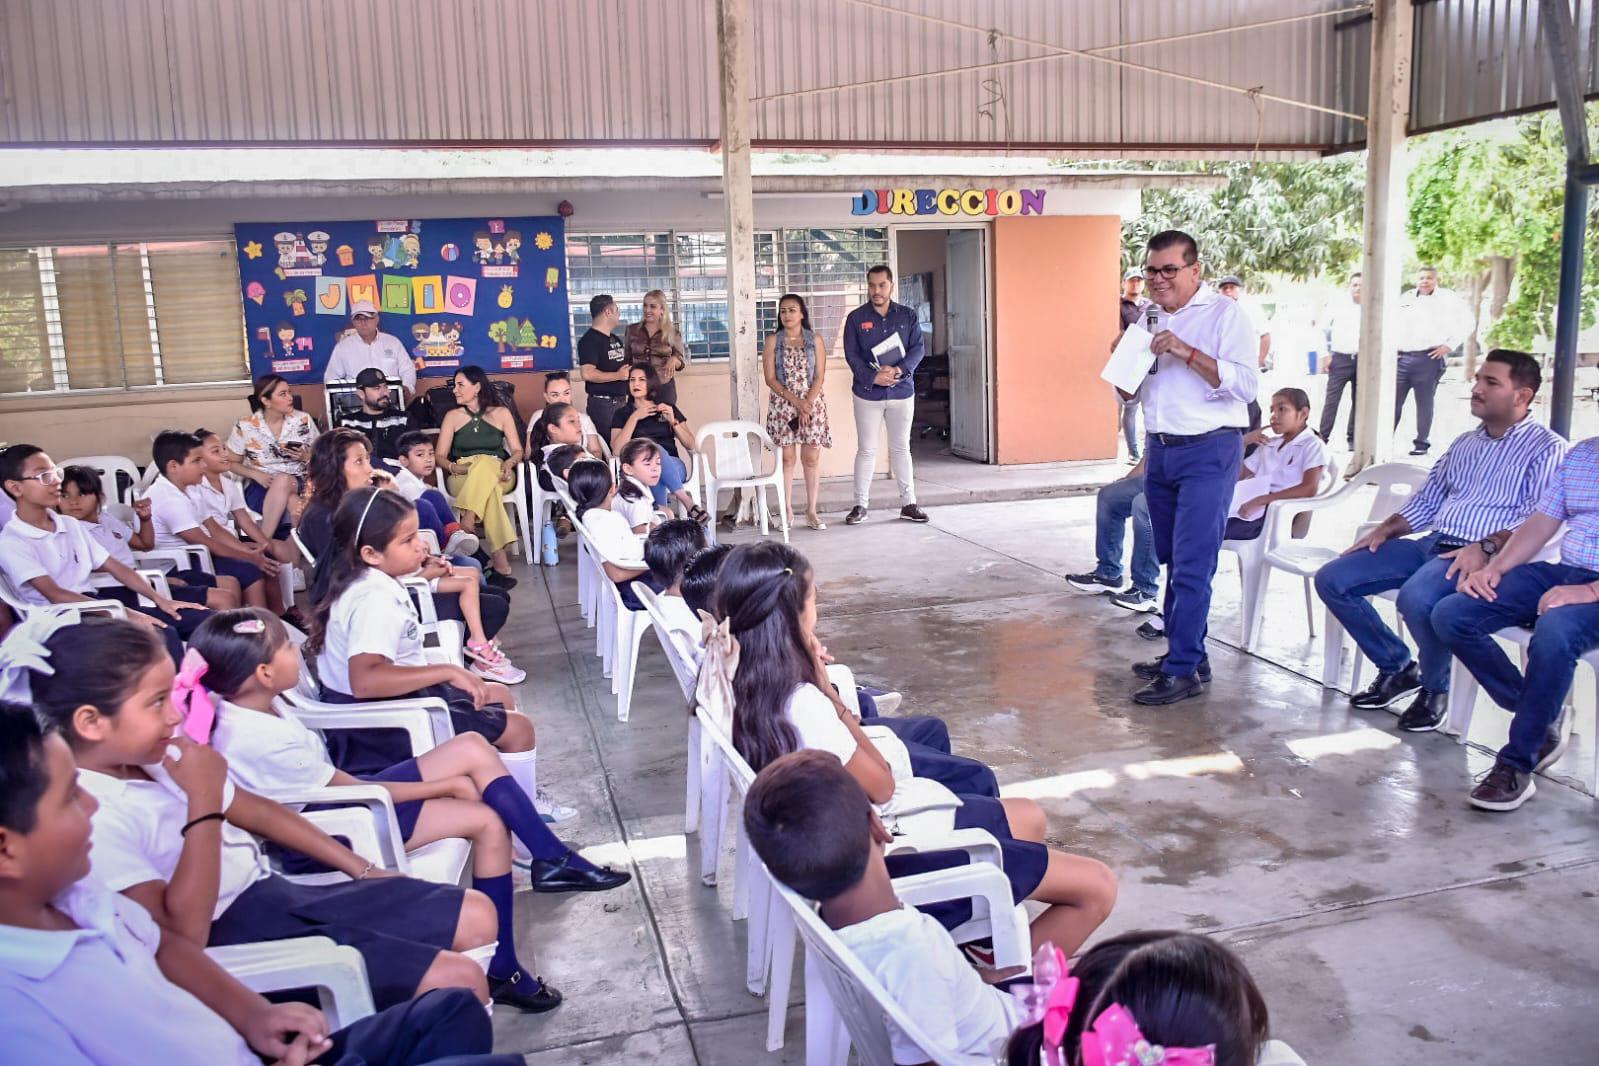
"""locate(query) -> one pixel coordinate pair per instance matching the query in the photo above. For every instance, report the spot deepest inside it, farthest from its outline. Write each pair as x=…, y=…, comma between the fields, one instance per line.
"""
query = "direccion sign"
x=949, y=202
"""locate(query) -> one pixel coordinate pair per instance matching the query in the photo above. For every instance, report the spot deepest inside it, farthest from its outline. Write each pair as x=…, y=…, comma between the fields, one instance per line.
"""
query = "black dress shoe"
x=1152, y=669
x=1168, y=689
x=506, y=993
x=499, y=580
x=1388, y=689
x=1425, y=713
x=1420, y=451
x=561, y=875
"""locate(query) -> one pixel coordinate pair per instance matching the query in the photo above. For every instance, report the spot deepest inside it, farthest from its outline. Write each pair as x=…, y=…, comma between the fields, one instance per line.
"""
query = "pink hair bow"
x=1115, y=1040
x=1048, y=1000
x=191, y=698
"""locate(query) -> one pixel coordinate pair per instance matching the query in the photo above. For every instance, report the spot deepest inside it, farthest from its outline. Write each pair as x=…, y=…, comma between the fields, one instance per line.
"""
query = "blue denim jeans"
x=1116, y=503
x=1559, y=638
x=1188, y=489
x=1414, y=567
x=674, y=475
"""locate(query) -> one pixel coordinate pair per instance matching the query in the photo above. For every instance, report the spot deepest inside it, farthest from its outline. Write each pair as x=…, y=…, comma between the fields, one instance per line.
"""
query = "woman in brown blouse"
x=655, y=343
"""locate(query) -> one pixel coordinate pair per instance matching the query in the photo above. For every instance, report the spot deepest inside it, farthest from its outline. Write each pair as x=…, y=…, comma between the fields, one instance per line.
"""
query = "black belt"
x=1415, y=351
x=1349, y=355
x=1173, y=440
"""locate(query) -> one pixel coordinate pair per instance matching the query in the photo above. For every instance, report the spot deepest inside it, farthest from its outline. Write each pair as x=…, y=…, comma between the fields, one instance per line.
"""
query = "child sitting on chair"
x=668, y=550
x=1288, y=466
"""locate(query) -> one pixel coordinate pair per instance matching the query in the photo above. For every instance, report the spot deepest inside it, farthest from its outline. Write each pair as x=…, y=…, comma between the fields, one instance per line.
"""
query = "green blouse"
x=478, y=437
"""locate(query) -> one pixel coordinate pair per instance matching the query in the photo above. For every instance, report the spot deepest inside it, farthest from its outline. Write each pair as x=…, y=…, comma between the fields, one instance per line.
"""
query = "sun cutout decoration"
x=543, y=242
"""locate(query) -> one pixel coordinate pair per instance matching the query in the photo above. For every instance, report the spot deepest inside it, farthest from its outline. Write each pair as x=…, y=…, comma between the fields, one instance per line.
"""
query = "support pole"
x=1387, y=118
x=733, y=53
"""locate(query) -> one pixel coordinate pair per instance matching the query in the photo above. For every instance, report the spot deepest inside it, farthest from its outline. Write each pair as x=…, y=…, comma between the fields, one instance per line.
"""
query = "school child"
x=559, y=461
x=1288, y=466
x=174, y=835
x=412, y=472
x=177, y=521
x=558, y=389
x=560, y=425
x=367, y=643
x=156, y=996
x=640, y=461
x=782, y=702
x=219, y=499
x=83, y=498
x=594, y=492
x=458, y=789
x=667, y=552
x=50, y=556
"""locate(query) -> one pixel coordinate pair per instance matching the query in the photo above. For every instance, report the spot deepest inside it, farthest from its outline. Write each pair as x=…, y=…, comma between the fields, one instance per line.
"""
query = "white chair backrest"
x=684, y=661
x=735, y=449
x=113, y=488
x=305, y=553
x=743, y=776
x=1395, y=482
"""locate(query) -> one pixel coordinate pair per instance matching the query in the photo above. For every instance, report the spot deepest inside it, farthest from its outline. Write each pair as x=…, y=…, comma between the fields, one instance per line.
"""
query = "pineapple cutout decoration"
x=505, y=296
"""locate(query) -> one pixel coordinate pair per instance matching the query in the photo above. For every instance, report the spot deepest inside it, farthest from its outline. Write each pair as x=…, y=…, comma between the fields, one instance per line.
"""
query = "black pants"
x=444, y=1026
x=601, y=410
x=1340, y=372
x=1418, y=372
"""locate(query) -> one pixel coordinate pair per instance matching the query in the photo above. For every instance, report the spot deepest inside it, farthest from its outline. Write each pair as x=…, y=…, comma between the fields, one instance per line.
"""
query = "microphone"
x=1152, y=323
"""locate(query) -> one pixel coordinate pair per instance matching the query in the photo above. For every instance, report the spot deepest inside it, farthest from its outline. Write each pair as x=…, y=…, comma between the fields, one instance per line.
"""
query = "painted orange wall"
x=1056, y=280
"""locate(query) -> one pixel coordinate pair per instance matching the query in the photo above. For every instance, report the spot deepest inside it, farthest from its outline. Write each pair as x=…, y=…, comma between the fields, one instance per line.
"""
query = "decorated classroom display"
x=456, y=292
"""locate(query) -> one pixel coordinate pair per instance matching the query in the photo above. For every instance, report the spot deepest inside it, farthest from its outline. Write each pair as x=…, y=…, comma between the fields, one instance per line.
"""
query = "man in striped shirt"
x=1560, y=601
x=1484, y=486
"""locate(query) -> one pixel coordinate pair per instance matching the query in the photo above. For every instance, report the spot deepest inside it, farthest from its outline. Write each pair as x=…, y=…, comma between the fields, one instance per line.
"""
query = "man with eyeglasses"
x=1195, y=399
x=367, y=347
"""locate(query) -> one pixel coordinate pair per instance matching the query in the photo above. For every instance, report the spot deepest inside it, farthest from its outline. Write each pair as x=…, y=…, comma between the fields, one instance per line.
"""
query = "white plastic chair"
x=684, y=661
x=188, y=557
x=108, y=467
x=336, y=972
x=12, y=597
x=729, y=455
x=589, y=573
x=1281, y=526
x=620, y=629
x=515, y=499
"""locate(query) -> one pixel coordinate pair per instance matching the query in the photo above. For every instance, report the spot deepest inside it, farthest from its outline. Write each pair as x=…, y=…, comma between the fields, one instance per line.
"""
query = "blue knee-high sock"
x=504, y=964
x=517, y=812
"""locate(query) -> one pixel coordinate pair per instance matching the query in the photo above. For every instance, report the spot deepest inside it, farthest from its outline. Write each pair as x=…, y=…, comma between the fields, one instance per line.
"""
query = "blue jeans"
x=1559, y=638
x=674, y=475
x=1189, y=489
x=1415, y=569
x=1116, y=503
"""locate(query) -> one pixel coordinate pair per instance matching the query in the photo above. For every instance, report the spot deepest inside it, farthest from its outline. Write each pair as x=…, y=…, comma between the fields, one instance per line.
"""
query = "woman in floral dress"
x=794, y=363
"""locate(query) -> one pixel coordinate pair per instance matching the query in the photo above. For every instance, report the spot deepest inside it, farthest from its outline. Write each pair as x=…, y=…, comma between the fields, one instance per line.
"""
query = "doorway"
x=943, y=277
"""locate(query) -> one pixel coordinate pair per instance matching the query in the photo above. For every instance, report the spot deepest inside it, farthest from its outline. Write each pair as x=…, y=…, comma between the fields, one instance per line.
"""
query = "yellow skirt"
x=480, y=491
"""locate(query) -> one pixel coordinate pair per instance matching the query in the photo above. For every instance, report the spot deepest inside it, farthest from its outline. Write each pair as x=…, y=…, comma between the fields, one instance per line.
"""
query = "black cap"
x=370, y=378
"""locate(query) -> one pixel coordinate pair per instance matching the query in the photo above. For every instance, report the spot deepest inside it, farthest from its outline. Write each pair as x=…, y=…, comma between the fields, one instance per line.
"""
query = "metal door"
x=966, y=306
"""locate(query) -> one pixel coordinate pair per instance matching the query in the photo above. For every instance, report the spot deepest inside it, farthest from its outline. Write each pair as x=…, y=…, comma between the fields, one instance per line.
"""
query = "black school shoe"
x=499, y=580
x=504, y=992
x=1152, y=670
x=1388, y=689
x=560, y=875
x=1167, y=689
x=1425, y=713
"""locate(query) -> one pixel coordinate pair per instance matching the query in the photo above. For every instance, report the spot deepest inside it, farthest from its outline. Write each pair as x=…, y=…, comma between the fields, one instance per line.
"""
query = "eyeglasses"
x=1168, y=271
x=51, y=476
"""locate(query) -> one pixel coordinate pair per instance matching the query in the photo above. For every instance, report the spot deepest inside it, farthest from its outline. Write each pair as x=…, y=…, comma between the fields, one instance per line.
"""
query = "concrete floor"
x=1385, y=920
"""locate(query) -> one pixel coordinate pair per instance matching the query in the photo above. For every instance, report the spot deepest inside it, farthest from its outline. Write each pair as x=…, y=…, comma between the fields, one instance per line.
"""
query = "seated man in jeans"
x=1560, y=601
x=1483, y=487
x=1116, y=503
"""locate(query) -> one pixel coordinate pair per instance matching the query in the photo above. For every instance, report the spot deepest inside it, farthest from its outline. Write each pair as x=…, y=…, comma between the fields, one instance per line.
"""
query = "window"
x=826, y=266
x=120, y=316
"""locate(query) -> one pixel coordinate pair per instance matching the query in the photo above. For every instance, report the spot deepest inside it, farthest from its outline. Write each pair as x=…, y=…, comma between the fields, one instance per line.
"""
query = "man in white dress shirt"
x=1195, y=398
x=1343, y=348
x=367, y=347
x=1433, y=322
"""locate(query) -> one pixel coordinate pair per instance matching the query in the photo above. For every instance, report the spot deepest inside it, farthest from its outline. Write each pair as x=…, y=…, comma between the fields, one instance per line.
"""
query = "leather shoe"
x=561, y=875
x=1388, y=689
x=856, y=516
x=1168, y=689
x=1425, y=713
x=506, y=993
x=912, y=513
x=1152, y=669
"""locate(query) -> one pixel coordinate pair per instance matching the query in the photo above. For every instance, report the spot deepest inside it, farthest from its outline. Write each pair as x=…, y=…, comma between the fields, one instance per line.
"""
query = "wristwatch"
x=1489, y=546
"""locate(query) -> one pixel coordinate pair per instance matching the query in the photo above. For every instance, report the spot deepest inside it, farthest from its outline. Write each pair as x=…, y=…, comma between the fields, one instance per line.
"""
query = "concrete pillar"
x=733, y=27
x=1387, y=118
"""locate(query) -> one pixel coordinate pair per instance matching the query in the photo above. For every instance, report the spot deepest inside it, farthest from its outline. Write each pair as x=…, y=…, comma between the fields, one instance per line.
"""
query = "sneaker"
x=1504, y=788
x=1425, y=713
x=499, y=580
x=856, y=516
x=553, y=813
x=1388, y=689
x=1420, y=451
x=1133, y=600
x=503, y=672
x=462, y=543
x=912, y=513
x=1152, y=628
x=888, y=702
x=1554, y=746
x=1094, y=581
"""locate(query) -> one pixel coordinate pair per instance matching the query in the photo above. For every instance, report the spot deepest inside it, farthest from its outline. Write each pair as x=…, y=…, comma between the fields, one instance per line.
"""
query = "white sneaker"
x=553, y=813
x=888, y=702
x=462, y=543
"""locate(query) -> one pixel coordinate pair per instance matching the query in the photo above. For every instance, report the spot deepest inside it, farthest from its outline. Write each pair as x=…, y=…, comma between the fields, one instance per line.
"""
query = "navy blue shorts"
x=245, y=573
x=1025, y=861
x=398, y=924
x=196, y=577
x=361, y=752
x=255, y=496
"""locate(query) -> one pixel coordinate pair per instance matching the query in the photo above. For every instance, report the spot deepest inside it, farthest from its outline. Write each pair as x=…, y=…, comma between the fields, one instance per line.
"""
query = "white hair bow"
x=24, y=650
x=713, y=691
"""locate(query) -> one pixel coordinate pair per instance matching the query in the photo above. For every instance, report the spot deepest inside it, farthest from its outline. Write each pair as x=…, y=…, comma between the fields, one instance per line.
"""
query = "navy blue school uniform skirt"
x=360, y=752
x=398, y=924
x=1025, y=861
x=926, y=738
x=255, y=496
x=406, y=812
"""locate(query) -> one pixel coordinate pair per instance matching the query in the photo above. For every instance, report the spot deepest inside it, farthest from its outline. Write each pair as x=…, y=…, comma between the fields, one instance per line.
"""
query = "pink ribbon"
x=1049, y=999
x=1115, y=1040
x=191, y=698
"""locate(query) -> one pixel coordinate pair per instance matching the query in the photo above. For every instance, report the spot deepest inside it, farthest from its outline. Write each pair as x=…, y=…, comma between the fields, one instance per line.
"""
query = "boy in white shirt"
x=667, y=551
x=1285, y=467
x=219, y=498
x=814, y=828
x=412, y=477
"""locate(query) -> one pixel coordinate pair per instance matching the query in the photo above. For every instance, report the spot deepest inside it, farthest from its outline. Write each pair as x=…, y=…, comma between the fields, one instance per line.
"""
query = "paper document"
x=1131, y=359
x=1245, y=491
x=888, y=353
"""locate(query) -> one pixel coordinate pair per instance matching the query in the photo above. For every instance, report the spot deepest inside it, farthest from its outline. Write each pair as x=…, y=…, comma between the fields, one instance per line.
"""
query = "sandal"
x=486, y=652
x=699, y=514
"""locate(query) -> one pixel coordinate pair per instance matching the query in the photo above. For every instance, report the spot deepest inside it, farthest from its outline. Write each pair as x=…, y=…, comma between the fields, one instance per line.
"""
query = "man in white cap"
x=367, y=347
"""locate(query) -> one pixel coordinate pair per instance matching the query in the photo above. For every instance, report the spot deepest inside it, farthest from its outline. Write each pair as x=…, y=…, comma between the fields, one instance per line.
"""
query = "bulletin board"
x=487, y=292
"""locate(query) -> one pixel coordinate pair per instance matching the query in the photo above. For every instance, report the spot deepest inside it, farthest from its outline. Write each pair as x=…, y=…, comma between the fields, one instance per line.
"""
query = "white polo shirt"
x=137, y=835
x=171, y=513
x=639, y=512
x=1428, y=321
x=614, y=536
x=218, y=503
x=269, y=751
x=1175, y=398
x=353, y=355
x=374, y=616
x=1343, y=331
x=66, y=555
x=1281, y=464
x=588, y=424
x=95, y=994
x=115, y=536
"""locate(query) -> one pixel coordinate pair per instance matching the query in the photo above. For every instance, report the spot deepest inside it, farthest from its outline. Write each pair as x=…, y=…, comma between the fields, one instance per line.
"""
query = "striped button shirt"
x=1573, y=497
x=1485, y=484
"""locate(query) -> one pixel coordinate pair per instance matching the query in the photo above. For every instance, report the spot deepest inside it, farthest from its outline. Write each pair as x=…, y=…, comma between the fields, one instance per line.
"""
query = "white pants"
x=870, y=416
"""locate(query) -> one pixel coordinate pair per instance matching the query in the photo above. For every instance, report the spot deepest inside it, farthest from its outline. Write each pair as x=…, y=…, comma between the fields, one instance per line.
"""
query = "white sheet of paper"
x=1245, y=491
x=883, y=353
x=1130, y=360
